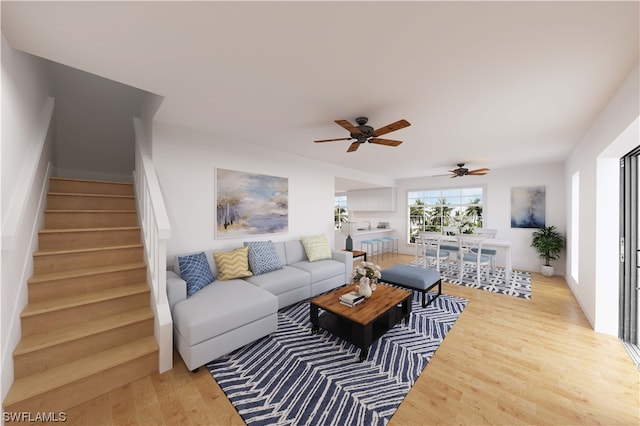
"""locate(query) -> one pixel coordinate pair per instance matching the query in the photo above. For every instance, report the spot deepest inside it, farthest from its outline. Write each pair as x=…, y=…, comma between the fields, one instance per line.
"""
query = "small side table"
x=358, y=253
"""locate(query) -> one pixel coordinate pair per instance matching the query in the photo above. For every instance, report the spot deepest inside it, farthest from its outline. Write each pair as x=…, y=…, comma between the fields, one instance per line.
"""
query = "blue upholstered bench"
x=414, y=278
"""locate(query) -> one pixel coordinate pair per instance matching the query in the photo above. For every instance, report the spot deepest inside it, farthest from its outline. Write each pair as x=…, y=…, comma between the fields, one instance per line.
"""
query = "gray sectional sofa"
x=226, y=315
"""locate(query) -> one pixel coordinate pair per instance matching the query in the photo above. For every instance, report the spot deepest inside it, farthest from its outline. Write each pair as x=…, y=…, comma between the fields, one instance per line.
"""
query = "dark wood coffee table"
x=362, y=324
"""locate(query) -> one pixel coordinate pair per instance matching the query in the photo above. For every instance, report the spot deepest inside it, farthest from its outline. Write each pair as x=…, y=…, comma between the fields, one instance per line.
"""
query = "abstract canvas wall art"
x=250, y=204
x=528, y=207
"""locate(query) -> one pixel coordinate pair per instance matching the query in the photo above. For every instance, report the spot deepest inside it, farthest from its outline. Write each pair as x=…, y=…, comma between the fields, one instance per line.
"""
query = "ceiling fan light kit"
x=364, y=133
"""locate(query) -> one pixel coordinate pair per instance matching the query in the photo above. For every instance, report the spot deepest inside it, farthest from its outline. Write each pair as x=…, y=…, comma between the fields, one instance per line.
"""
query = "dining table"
x=504, y=245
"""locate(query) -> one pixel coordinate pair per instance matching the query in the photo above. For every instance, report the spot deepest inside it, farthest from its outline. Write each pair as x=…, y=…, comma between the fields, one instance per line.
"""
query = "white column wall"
x=27, y=150
x=610, y=137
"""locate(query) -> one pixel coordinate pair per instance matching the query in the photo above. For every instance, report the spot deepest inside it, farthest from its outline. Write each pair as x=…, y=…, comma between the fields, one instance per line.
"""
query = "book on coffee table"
x=351, y=299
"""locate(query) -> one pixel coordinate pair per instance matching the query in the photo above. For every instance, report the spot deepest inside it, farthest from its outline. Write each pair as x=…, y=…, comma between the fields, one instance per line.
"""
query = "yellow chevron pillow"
x=233, y=264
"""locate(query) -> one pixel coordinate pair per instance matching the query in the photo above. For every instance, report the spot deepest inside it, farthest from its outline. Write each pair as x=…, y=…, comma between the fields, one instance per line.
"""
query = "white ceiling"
x=491, y=84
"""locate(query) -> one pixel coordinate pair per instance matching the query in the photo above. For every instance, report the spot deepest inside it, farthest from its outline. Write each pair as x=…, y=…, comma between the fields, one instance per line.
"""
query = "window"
x=430, y=210
x=340, y=214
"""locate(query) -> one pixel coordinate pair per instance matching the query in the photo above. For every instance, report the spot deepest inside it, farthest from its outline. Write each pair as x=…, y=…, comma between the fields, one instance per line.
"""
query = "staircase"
x=88, y=327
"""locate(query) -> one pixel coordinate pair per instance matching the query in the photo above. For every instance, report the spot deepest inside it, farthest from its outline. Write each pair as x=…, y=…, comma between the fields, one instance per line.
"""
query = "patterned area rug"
x=293, y=377
x=519, y=285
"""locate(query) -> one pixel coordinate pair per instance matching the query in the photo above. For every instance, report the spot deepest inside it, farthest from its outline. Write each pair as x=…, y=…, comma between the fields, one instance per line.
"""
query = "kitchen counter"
x=373, y=231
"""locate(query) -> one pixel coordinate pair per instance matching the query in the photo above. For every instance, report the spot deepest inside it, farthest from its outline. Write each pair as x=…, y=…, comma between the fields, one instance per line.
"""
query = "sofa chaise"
x=230, y=313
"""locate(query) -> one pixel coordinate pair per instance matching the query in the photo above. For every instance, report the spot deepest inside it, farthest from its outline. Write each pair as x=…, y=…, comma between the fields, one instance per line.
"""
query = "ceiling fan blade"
x=400, y=124
x=332, y=140
x=478, y=172
x=454, y=176
x=354, y=147
x=388, y=142
x=348, y=126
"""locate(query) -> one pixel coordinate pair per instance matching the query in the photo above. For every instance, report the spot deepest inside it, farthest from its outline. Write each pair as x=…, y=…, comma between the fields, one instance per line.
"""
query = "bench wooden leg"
x=424, y=292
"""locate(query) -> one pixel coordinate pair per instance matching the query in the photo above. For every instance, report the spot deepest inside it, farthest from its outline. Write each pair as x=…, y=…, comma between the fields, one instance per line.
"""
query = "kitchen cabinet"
x=372, y=200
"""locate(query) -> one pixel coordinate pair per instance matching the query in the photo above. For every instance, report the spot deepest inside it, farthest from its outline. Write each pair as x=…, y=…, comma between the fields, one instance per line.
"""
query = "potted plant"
x=548, y=242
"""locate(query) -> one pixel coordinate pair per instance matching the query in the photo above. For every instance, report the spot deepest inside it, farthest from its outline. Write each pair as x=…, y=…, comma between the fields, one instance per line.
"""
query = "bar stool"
x=371, y=247
x=382, y=249
x=392, y=244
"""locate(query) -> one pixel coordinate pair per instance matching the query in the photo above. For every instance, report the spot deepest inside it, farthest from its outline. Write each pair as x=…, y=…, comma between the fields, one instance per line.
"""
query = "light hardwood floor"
x=506, y=361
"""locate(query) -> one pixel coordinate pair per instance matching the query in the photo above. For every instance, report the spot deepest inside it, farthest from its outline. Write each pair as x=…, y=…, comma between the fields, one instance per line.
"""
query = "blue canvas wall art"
x=528, y=207
x=250, y=204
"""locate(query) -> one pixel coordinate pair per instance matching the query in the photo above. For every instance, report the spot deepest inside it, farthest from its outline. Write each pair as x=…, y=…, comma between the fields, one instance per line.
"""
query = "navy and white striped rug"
x=494, y=281
x=293, y=377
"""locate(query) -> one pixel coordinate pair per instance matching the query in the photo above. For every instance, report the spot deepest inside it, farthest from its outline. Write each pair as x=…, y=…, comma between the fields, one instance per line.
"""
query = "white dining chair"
x=430, y=249
x=471, y=253
x=485, y=232
x=450, y=231
x=490, y=234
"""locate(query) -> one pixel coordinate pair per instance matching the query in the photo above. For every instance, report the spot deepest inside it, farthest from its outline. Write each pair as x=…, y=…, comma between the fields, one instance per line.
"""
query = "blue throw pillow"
x=195, y=270
x=263, y=257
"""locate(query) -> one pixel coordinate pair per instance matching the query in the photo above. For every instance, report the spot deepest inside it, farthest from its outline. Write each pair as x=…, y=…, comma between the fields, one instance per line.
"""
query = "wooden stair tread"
x=51, y=252
x=89, y=222
x=67, y=334
x=91, y=211
x=62, y=179
x=80, y=230
x=49, y=380
x=82, y=194
x=51, y=305
x=84, y=272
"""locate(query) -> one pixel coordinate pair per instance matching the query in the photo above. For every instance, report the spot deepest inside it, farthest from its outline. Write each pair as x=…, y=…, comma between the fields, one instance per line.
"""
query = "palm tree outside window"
x=340, y=213
x=433, y=209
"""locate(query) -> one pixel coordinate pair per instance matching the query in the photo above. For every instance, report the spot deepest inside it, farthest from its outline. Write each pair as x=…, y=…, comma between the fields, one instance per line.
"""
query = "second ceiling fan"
x=463, y=171
x=363, y=133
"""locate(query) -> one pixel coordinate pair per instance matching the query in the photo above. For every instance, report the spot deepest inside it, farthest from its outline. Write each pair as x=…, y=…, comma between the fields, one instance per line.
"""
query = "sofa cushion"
x=194, y=269
x=294, y=251
x=322, y=269
x=263, y=257
x=316, y=247
x=232, y=264
x=221, y=307
x=282, y=280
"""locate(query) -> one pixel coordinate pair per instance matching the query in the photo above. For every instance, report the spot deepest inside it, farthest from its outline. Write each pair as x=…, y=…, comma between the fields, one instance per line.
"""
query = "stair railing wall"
x=156, y=231
x=20, y=236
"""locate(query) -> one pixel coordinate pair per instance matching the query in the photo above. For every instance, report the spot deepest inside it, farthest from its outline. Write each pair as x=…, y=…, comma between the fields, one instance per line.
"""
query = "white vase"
x=364, y=289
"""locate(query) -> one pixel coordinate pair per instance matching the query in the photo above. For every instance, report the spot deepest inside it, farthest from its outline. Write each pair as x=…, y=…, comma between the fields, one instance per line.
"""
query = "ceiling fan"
x=463, y=171
x=363, y=133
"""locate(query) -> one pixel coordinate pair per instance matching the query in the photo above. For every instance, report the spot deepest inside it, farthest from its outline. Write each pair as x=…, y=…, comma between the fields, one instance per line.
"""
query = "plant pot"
x=547, y=271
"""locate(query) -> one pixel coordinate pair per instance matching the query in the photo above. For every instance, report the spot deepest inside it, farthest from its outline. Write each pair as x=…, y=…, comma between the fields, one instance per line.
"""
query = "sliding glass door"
x=629, y=246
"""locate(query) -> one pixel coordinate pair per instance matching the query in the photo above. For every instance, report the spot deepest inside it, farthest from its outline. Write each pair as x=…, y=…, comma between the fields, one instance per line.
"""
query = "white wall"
x=186, y=160
x=497, y=184
x=149, y=105
x=27, y=150
x=24, y=93
x=611, y=136
x=94, y=129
